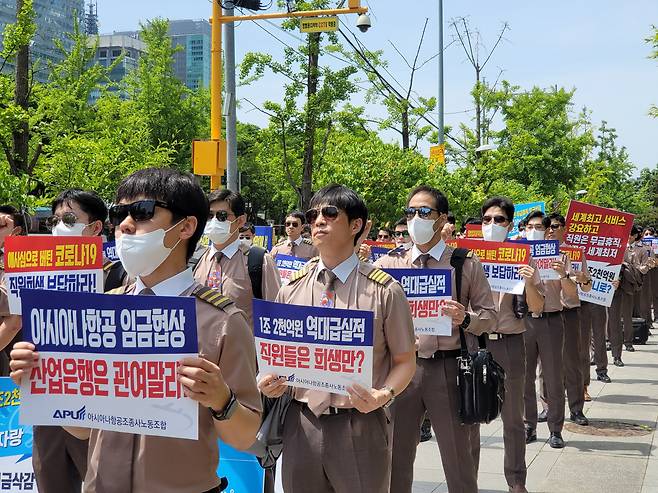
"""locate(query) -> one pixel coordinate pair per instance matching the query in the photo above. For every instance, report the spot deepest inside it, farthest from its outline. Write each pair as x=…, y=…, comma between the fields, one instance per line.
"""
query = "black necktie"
x=423, y=260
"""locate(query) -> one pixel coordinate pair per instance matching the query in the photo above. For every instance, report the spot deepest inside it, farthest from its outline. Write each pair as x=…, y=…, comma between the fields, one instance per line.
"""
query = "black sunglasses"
x=142, y=210
x=496, y=219
x=423, y=212
x=68, y=218
x=554, y=226
x=220, y=215
x=401, y=234
x=293, y=224
x=329, y=212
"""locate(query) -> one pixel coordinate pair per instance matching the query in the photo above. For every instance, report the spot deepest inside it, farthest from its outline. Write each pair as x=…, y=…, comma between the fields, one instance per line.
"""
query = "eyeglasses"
x=423, y=212
x=383, y=237
x=292, y=224
x=496, y=219
x=68, y=218
x=555, y=226
x=536, y=227
x=221, y=216
x=329, y=212
x=141, y=210
x=401, y=234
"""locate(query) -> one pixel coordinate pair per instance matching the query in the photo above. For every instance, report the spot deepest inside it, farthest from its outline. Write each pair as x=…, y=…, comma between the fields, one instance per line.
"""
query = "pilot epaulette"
x=108, y=266
x=307, y=241
x=119, y=290
x=469, y=254
x=212, y=297
x=380, y=277
x=304, y=270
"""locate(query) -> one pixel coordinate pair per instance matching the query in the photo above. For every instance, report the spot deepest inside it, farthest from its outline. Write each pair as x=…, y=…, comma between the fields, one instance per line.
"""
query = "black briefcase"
x=641, y=331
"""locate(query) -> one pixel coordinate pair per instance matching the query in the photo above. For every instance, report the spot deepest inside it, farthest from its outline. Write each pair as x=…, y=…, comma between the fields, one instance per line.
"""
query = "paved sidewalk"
x=588, y=463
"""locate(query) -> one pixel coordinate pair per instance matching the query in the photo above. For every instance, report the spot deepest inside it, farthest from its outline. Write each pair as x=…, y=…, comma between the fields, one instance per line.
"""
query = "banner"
x=312, y=347
x=521, y=211
x=603, y=234
x=288, y=265
x=652, y=242
x=575, y=255
x=110, y=362
x=427, y=291
x=474, y=231
x=242, y=470
x=57, y=263
x=110, y=251
x=544, y=253
x=501, y=262
x=16, y=473
x=264, y=237
x=379, y=249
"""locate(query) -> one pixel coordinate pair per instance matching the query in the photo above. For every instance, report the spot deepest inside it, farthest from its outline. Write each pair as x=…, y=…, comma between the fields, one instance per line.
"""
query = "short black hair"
x=522, y=224
x=297, y=215
x=89, y=201
x=17, y=216
x=636, y=230
x=346, y=200
x=473, y=220
x=544, y=220
x=650, y=230
x=401, y=222
x=558, y=217
x=387, y=230
x=248, y=227
x=503, y=202
x=440, y=200
x=181, y=191
x=234, y=200
x=451, y=218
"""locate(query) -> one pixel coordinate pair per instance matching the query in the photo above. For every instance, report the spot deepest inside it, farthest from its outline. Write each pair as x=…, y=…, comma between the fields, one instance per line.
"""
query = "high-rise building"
x=54, y=19
x=192, y=62
x=112, y=46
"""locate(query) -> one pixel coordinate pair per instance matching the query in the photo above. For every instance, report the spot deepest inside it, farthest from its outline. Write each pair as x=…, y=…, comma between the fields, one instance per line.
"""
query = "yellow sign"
x=438, y=154
x=319, y=24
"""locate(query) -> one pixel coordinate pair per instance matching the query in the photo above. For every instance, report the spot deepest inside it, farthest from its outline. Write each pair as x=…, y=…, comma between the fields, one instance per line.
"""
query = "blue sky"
x=594, y=46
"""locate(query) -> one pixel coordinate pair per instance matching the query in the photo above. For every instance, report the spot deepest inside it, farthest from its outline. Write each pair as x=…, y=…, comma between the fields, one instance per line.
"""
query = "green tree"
x=653, y=41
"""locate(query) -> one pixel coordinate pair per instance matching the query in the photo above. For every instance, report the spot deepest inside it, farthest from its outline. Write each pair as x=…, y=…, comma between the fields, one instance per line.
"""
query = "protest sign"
x=313, y=347
x=379, y=249
x=474, y=231
x=16, y=473
x=652, y=242
x=241, y=469
x=521, y=211
x=58, y=263
x=427, y=291
x=603, y=233
x=110, y=251
x=501, y=262
x=288, y=265
x=544, y=253
x=575, y=254
x=264, y=237
x=109, y=362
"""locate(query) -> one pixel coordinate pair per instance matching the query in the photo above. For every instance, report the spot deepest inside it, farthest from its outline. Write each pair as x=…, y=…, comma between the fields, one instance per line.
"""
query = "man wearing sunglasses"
x=507, y=344
x=577, y=329
x=334, y=443
x=434, y=385
x=384, y=235
x=239, y=272
x=159, y=217
x=544, y=339
x=401, y=234
x=295, y=245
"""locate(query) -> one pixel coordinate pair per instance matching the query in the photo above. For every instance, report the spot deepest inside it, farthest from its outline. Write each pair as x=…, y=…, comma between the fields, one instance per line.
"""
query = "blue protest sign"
x=544, y=253
x=521, y=211
x=288, y=265
x=242, y=470
x=110, y=251
x=264, y=237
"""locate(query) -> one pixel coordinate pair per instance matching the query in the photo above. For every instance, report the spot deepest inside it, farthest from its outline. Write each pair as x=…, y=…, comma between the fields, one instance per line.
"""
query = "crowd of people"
x=365, y=441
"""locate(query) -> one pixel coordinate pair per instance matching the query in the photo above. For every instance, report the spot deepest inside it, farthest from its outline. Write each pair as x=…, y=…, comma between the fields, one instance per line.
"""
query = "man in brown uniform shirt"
x=576, y=340
x=224, y=265
x=507, y=345
x=334, y=443
x=544, y=339
x=170, y=207
x=642, y=263
x=295, y=245
x=434, y=386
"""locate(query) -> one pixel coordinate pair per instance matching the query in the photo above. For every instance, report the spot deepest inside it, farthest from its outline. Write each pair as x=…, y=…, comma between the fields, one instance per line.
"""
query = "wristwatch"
x=467, y=321
x=391, y=391
x=228, y=410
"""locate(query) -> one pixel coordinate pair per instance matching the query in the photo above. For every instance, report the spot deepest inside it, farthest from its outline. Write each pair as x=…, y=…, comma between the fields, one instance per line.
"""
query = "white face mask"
x=494, y=232
x=246, y=242
x=62, y=229
x=141, y=254
x=522, y=234
x=421, y=230
x=218, y=231
x=534, y=235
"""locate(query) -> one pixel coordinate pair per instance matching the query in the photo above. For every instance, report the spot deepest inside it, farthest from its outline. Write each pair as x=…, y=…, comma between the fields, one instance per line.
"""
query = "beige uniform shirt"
x=393, y=325
x=508, y=323
x=640, y=254
x=476, y=294
x=553, y=300
x=236, y=283
x=573, y=301
x=301, y=247
x=173, y=465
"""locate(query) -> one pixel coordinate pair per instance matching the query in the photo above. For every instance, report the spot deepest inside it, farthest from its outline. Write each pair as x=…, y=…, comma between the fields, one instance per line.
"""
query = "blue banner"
x=57, y=321
x=110, y=251
x=423, y=283
x=542, y=248
x=264, y=237
x=377, y=252
x=288, y=262
x=521, y=211
x=241, y=469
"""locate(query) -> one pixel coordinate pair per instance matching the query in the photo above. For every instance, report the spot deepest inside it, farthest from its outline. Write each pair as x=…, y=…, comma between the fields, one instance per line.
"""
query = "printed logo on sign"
x=66, y=413
x=291, y=378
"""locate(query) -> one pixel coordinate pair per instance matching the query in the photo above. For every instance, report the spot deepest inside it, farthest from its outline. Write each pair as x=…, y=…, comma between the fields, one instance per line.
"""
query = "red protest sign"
x=602, y=232
x=474, y=231
x=497, y=252
x=53, y=253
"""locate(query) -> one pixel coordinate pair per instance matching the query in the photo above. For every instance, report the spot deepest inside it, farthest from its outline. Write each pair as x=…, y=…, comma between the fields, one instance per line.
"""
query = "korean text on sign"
x=54, y=263
x=501, y=262
x=544, y=253
x=314, y=348
x=288, y=265
x=110, y=362
x=602, y=233
x=427, y=291
x=379, y=249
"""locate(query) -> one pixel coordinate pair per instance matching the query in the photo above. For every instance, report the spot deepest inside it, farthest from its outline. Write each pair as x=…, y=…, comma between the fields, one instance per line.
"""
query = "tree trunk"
x=405, y=127
x=311, y=118
x=21, y=134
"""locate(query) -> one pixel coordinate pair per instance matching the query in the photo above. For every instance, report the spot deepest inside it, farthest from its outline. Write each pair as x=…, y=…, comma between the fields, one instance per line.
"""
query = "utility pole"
x=441, y=98
x=231, y=117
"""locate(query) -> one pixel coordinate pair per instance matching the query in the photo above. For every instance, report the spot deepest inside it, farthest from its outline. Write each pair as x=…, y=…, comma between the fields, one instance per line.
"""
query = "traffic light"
x=248, y=4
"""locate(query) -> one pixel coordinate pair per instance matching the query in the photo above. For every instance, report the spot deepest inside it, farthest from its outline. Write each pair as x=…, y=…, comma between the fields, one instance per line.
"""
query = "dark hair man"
x=295, y=244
